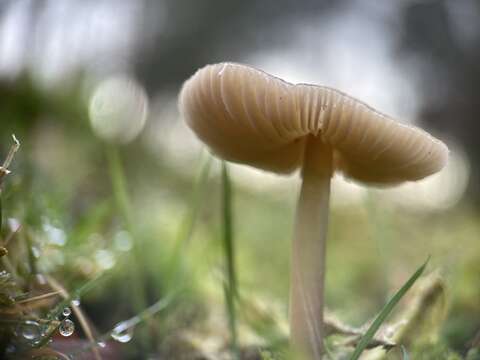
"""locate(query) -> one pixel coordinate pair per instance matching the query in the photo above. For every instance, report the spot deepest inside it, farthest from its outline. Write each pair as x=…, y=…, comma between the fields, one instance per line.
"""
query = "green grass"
x=175, y=267
x=385, y=312
x=187, y=226
x=230, y=286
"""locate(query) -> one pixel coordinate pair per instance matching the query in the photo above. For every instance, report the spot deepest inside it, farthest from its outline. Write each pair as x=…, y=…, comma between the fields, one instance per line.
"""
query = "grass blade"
x=124, y=206
x=189, y=221
x=119, y=184
x=230, y=287
x=387, y=309
x=11, y=153
x=187, y=226
x=4, y=169
x=123, y=326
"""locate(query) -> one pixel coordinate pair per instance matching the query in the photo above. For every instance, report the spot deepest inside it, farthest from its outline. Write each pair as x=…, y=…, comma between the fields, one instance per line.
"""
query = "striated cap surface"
x=247, y=116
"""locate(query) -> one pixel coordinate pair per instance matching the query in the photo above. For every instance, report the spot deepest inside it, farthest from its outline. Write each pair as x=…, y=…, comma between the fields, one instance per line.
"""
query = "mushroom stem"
x=308, y=251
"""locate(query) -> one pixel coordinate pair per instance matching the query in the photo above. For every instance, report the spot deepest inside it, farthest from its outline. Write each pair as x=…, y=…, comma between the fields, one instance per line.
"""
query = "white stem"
x=308, y=252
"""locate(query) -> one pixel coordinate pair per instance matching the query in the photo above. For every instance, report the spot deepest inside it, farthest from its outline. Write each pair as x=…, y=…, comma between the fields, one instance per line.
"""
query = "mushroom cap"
x=247, y=116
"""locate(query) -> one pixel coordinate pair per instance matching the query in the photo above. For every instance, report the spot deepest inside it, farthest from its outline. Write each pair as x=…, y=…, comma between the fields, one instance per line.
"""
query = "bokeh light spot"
x=118, y=109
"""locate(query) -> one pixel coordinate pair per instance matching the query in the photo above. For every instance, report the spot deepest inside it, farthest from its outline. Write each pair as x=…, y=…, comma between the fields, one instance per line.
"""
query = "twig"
x=78, y=313
x=13, y=149
x=334, y=326
x=39, y=297
x=373, y=343
x=26, y=319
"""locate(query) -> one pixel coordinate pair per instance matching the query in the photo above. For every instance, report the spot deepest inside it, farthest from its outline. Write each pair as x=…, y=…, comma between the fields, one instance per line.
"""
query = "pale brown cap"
x=247, y=116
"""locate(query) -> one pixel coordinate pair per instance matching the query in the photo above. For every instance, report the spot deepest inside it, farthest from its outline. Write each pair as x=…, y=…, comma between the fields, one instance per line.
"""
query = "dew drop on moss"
x=66, y=311
x=29, y=330
x=67, y=327
x=122, y=333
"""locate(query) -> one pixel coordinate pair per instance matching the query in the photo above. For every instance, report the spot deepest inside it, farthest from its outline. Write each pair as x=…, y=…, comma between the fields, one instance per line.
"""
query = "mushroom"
x=247, y=116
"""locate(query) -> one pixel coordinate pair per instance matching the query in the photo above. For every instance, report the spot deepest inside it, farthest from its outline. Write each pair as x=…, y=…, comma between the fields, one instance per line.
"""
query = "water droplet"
x=76, y=302
x=122, y=333
x=29, y=329
x=67, y=327
x=66, y=312
x=102, y=344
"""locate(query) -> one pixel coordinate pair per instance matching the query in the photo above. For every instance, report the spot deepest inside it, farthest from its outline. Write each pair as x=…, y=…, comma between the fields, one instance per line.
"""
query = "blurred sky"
x=360, y=47
x=58, y=38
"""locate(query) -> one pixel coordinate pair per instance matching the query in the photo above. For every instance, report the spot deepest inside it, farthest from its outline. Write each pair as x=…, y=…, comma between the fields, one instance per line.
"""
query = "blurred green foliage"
x=61, y=185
